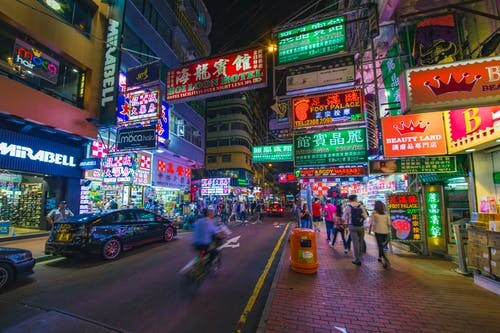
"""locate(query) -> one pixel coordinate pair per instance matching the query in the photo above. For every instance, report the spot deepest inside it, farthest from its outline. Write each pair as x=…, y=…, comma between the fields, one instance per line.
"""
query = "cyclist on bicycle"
x=205, y=231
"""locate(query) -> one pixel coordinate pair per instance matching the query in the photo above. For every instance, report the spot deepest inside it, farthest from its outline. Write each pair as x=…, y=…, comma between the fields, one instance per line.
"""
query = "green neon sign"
x=312, y=40
x=274, y=153
x=434, y=223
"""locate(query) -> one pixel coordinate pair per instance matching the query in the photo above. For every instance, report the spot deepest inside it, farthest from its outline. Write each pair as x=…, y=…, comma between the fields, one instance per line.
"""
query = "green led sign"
x=433, y=204
x=333, y=147
x=274, y=153
x=312, y=40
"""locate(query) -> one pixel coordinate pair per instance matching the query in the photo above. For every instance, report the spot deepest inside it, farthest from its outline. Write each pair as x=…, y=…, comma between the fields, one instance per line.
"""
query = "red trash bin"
x=303, y=251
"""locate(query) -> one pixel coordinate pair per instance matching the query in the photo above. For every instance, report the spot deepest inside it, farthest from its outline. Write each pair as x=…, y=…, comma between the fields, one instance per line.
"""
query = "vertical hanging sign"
x=111, y=67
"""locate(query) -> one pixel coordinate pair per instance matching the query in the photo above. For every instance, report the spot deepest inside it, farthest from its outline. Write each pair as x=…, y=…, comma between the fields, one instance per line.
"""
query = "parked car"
x=14, y=264
x=275, y=209
x=108, y=233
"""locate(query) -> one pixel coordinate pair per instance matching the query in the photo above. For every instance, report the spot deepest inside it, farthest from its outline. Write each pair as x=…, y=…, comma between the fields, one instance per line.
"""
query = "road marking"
x=260, y=283
x=232, y=242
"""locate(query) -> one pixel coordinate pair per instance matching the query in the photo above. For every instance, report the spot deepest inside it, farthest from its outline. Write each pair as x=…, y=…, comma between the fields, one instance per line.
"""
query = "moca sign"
x=136, y=138
x=222, y=75
x=457, y=84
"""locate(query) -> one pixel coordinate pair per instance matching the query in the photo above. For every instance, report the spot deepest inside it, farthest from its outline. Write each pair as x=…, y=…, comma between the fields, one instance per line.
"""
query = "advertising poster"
x=273, y=153
x=405, y=216
x=119, y=169
x=215, y=186
x=413, y=165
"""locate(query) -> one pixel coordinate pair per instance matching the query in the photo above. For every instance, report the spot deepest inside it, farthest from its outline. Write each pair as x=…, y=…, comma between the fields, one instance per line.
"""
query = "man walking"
x=316, y=214
x=354, y=216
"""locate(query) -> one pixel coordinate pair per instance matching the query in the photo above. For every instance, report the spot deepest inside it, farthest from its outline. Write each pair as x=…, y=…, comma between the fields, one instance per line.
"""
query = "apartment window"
x=239, y=126
x=64, y=80
x=226, y=158
x=211, y=159
x=75, y=12
x=224, y=127
x=212, y=128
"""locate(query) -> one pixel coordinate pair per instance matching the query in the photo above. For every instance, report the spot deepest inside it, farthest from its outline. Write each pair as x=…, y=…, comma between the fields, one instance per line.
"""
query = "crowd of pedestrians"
x=351, y=220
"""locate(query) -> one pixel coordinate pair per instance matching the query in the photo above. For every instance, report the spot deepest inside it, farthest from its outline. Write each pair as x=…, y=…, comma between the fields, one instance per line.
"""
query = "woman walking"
x=305, y=217
x=380, y=223
x=339, y=227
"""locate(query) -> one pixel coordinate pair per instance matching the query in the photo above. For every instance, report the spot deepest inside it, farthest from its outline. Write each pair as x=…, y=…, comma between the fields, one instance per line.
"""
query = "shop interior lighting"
x=54, y=4
x=470, y=150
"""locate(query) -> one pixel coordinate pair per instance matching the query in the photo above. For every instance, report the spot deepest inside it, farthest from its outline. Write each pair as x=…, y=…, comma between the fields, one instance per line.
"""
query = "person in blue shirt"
x=205, y=229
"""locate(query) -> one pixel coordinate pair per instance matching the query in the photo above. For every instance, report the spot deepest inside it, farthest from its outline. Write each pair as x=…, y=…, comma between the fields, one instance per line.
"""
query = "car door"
x=122, y=224
x=151, y=224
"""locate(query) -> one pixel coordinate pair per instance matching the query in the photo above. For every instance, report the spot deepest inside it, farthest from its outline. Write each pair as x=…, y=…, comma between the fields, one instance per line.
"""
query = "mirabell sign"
x=41, y=155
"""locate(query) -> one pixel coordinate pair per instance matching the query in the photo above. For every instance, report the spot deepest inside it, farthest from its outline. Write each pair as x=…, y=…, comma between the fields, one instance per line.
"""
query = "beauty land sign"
x=414, y=135
x=457, y=84
x=218, y=76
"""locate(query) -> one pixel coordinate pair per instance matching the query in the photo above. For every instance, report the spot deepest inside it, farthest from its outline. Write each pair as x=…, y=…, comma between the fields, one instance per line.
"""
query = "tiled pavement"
x=415, y=294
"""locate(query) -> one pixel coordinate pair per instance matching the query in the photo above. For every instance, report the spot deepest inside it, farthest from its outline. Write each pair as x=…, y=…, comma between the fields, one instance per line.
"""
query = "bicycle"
x=198, y=269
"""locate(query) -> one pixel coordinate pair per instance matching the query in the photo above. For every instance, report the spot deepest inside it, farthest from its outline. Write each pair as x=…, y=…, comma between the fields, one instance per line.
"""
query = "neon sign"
x=41, y=155
x=433, y=204
x=35, y=61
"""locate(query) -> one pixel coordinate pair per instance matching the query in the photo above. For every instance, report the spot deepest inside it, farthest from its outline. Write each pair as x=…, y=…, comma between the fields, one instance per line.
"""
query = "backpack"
x=357, y=216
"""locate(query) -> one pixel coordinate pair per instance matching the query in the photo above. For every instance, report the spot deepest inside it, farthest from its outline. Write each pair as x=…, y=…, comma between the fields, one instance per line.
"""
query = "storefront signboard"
x=287, y=178
x=274, y=153
x=215, y=186
x=140, y=106
x=119, y=169
x=35, y=61
x=327, y=109
x=90, y=163
x=472, y=127
x=333, y=171
x=321, y=78
x=414, y=135
x=333, y=147
x=4, y=227
x=496, y=177
x=32, y=154
x=162, y=126
x=413, y=165
x=457, y=84
x=404, y=210
x=143, y=75
x=136, y=138
x=168, y=173
x=433, y=206
x=218, y=76
x=142, y=175
x=311, y=40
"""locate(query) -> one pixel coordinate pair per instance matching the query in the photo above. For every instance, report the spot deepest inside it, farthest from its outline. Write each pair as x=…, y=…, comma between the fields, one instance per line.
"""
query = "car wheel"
x=111, y=249
x=169, y=234
x=6, y=275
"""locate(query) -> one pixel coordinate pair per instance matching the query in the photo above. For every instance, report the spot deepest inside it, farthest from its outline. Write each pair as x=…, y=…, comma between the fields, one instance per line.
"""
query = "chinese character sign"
x=333, y=147
x=275, y=153
x=334, y=171
x=140, y=106
x=226, y=74
x=215, y=186
x=434, y=221
x=405, y=216
x=431, y=164
x=327, y=109
x=414, y=135
x=169, y=173
x=119, y=169
x=312, y=40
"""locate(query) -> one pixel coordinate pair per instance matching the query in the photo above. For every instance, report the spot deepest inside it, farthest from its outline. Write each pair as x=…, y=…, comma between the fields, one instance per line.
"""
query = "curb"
x=9, y=239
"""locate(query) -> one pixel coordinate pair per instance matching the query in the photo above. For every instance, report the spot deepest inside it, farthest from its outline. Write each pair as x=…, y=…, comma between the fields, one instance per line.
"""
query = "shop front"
x=35, y=174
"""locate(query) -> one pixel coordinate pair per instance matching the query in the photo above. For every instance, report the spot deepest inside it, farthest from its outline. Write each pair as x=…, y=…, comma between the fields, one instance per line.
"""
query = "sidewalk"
x=415, y=294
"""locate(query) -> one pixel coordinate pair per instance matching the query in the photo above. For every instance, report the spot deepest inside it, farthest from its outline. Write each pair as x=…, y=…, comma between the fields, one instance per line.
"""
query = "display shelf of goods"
x=30, y=205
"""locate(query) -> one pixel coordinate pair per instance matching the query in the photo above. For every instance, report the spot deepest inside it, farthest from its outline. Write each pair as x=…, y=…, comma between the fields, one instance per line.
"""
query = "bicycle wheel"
x=215, y=265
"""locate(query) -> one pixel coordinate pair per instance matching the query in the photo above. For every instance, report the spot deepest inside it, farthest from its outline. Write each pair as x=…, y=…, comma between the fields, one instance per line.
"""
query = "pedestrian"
x=329, y=214
x=243, y=211
x=339, y=227
x=354, y=215
x=112, y=204
x=234, y=211
x=149, y=205
x=61, y=213
x=380, y=223
x=259, y=208
x=316, y=214
x=305, y=217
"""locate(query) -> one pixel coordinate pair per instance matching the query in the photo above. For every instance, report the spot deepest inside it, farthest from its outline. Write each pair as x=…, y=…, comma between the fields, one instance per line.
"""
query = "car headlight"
x=21, y=256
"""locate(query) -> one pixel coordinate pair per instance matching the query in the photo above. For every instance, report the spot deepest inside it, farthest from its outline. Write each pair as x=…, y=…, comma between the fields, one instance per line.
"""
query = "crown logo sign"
x=411, y=128
x=36, y=52
x=452, y=85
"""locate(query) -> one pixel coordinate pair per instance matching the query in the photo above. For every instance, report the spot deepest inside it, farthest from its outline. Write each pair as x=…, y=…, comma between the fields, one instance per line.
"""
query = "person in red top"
x=316, y=214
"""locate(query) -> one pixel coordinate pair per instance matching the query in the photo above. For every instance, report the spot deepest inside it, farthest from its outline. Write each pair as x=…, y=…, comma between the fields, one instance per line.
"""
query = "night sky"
x=239, y=24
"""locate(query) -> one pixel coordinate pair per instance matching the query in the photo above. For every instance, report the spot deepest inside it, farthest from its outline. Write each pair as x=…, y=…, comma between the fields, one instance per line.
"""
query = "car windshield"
x=83, y=217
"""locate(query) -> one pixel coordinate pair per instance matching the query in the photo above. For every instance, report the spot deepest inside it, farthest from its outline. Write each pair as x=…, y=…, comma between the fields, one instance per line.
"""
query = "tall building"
x=235, y=123
x=51, y=71
x=63, y=64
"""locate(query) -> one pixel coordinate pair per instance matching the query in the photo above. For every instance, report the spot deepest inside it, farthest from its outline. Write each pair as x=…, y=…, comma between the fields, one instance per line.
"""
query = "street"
x=140, y=291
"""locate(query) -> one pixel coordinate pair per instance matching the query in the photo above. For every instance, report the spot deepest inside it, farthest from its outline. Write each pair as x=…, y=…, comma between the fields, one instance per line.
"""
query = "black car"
x=14, y=264
x=108, y=233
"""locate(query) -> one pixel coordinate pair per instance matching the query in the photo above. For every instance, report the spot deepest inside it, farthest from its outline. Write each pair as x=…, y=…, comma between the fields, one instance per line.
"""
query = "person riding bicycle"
x=206, y=233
